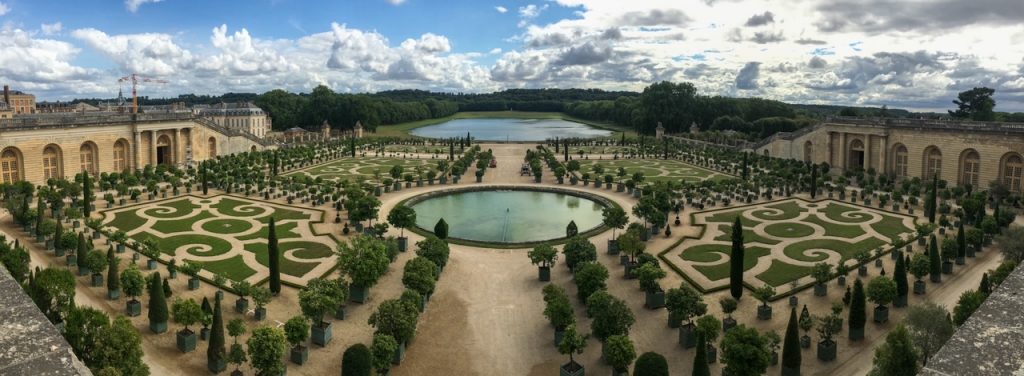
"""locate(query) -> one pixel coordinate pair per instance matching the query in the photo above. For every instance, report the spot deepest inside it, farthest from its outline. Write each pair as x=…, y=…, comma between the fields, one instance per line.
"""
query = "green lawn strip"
x=846, y=250
x=284, y=231
x=229, y=207
x=281, y=214
x=837, y=230
x=730, y=217
x=181, y=208
x=171, y=226
x=232, y=268
x=834, y=212
x=289, y=267
x=170, y=244
x=789, y=209
x=780, y=273
x=748, y=236
x=891, y=227
x=126, y=220
x=227, y=226
x=720, y=271
x=789, y=230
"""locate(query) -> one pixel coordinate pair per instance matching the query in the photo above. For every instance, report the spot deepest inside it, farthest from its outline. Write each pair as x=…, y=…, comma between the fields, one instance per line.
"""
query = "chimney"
x=7, y=94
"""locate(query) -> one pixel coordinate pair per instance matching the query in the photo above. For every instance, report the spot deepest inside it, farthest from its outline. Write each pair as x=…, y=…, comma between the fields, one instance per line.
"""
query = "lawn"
x=652, y=169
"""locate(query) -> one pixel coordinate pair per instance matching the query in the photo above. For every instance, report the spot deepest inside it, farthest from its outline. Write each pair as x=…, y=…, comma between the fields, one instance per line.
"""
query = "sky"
x=915, y=54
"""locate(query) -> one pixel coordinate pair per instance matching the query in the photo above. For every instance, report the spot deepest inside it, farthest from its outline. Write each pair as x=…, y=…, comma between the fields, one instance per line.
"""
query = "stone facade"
x=959, y=152
x=21, y=103
x=39, y=148
x=245, y=117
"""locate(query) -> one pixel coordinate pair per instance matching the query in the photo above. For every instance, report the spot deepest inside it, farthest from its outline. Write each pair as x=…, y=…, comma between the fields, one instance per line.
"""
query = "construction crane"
x=135, y=79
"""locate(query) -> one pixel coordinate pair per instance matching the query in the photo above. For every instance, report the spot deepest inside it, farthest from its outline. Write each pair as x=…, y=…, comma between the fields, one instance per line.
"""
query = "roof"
x=231, y=109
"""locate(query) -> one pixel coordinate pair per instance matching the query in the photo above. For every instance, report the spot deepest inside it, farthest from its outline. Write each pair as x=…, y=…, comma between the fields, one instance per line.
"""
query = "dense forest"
x=676, y=105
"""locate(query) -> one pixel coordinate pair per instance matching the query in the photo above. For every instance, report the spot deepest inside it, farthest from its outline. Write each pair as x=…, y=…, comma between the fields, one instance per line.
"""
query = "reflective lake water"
x=508, y=216
x=510, y=129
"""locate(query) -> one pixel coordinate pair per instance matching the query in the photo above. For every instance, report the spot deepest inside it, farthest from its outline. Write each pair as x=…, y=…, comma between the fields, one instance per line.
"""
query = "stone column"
x=152, y=148
x=842, y=151
x=867, y=152
x=883, y=148
x=177, y=146
x=136, y=147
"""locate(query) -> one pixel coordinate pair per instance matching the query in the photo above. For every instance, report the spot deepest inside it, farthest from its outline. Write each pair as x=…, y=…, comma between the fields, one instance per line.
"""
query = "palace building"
x=959, y=152
x=39, y=147
x=243, y=116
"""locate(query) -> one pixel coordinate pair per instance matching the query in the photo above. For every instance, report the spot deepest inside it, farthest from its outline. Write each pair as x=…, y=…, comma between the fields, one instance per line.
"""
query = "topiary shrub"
x=651, y=364
x=357, y=361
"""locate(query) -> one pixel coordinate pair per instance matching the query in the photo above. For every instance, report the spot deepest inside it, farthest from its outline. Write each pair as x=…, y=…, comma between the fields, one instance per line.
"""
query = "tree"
x=700, y=359
x=961, y=241
x=736, y=260
x=881, y=290
x=396, y=319
x=919, y=266
x=590, y=277
x=441, y=229
x=858, y=310
x=900, y=276
x=86, y=194
x=237, y=356
x=571, y=229
x=236, y=327
x=364, y=261
x=579, y=250
x=420, y=275
x=650, y=364
x=543, y=256
x=745, y=352
x=896, y=356
x=215, y=352
x=132, y=281
x=402, y=217
x=296, y=331
x=120, y=348
x=969, y=302
x=975, y=104
x=1011, y=242
x=83, y=329
x=274, y=255
x=572, y=343
x=619, y=352
x=95, y=260
x=615, y=218
x=113, y=275
x=649, y=274
x=434, y=249
x=791, y=356
x=814, y=181
x=319, y=297
x=613, y=318
x=985, y=287
x=928, y=328
x=266, y=348
x=186, y=312
x=357, y=361
x=557, y=307
x=806, y=321
x=934, y=263
x=684, y=303
x=931, y=204
x=157, y=303
x=630, y=243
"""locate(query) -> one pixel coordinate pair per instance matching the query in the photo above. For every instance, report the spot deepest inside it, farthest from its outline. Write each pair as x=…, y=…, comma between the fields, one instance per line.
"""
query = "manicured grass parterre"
x=653, y=170
x=366, y=168
x=227, y=235
x=784, y=239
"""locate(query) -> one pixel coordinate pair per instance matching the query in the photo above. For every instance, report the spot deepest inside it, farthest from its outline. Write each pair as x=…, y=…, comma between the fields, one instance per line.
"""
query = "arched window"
x=120, y=155
x=87, y=158
x=900, y=161
x=212, y=147
x=1012, y=171
x=970, y=167
x=51, y=162
x=932, y=163
x=808, y=151
x=10, y=166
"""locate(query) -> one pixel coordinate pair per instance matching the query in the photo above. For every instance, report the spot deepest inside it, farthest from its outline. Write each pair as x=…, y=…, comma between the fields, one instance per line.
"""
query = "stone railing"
x=73, y=120
x=955, y=125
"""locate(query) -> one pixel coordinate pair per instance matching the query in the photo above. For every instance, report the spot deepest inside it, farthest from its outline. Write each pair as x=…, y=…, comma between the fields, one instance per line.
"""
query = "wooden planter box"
x=764, y=312
x=544, y=273
x=654, y=300
x=186, y=341
x=97, y=280
x=827, y=351
x=881, y=314
x=193, y=283
x=299, y=354
x=571, y=369
x=688, y=336
x=358, y=294
x=158, y=327
x=241, y=305
x=820, y=289
x=856, y=334
x=321, y=334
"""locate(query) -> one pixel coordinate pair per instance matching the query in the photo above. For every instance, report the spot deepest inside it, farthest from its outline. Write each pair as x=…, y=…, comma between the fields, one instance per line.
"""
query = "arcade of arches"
x=961, y=154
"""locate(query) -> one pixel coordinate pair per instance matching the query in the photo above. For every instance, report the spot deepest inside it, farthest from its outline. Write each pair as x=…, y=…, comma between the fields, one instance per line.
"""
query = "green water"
x=508, y=216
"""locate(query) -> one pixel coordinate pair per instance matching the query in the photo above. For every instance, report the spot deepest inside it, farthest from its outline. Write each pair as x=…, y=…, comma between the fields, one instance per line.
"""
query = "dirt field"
x=486, y=316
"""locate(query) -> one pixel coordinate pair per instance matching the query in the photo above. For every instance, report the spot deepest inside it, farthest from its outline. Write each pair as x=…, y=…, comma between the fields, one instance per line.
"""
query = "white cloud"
x=133, y=5
x=529, y=12
x=51, y=29
x=4, y=9
x=501, y=9
x=147, y=54
x=495, y=51
x=396, y=2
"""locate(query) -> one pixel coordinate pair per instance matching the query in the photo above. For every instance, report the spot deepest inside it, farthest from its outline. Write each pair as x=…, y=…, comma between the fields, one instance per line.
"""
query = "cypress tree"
x=858, y=312
x=565, y=150
x=275, y=259
x=451, y=150
x=986, y=286
x=58, y=233
x=86, y=194
x=900, y=275
x=204, y=176
x=791, y=356
x=897, y=356
x=736, y=260
x=167, y=289
x=935, y=265
x=557, y=146
x=665, y=143
x=215, y=353
x=41, y=213
x=700, y=360
x=157, y=304
x=83, y=246
x=932, y=199
x=961, y=241
x=441, y=229
x=745, y=171
x=814, y=181
x=113, y=275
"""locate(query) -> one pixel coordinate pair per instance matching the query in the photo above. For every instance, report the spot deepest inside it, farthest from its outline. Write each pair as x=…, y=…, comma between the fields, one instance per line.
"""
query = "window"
x=87, y=158
x=51, y=163
x=9, y=164
x=900, y=162
x=212, y=147
x=933, y=163
x=120, y=156
x=970, y=167
x=1012, y=171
